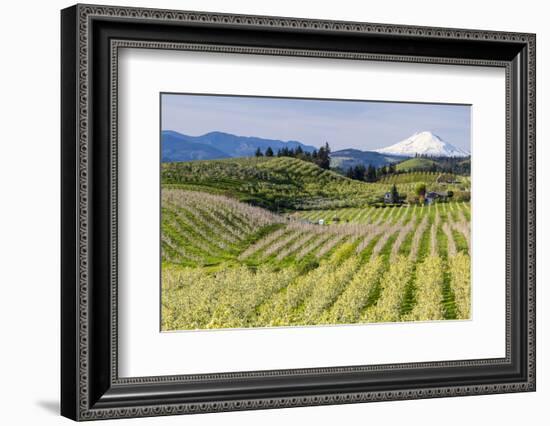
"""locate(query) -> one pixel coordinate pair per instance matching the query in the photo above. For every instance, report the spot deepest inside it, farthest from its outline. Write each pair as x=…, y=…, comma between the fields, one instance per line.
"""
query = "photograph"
x=262, y=209
x=283, y=212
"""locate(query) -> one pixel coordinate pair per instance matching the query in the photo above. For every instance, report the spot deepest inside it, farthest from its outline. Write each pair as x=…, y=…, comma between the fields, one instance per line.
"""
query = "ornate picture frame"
x=91, y=37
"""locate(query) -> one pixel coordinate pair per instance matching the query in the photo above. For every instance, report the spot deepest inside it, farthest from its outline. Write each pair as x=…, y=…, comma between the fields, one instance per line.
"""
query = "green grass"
x=461, y=243
x=377, y=288
x=405, y=247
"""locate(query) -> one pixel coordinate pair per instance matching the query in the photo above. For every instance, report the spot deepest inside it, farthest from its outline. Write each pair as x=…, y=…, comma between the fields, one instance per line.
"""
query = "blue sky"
x=344, y=124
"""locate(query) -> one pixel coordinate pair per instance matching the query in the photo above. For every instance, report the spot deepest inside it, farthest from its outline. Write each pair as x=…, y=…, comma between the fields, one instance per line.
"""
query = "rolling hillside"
x=275, y=183
x=440, y=164
x=286, y=184
x=416, y=164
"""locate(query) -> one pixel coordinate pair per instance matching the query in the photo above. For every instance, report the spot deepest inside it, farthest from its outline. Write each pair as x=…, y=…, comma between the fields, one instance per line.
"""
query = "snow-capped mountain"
x=425, y=143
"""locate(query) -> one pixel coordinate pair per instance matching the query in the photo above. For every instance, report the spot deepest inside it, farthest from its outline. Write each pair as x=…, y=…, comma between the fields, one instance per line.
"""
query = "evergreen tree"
x=259, y=153
x=314, y=155
x=371, y=174
x=269, y=152
x=394, y=194
x=323, y=157
x=320, y=156
x=359, y=172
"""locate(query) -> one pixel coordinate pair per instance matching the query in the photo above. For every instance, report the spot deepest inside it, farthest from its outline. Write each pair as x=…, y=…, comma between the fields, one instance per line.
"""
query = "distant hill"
x=177, y=147
x=217, y=145
x=347, y=158
x=416, y=164
x=446, y=164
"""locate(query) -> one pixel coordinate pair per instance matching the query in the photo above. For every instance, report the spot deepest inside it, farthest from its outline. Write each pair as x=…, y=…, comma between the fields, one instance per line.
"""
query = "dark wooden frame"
x=90, y=386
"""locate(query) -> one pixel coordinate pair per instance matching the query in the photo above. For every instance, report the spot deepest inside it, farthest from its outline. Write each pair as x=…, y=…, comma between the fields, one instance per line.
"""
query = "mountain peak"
x=424, y=143
x=426, y=134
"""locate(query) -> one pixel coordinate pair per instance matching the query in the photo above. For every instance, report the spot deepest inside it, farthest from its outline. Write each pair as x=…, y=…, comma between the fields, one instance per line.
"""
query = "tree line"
x=457, y=166
x=370, y=173
x=321, y=157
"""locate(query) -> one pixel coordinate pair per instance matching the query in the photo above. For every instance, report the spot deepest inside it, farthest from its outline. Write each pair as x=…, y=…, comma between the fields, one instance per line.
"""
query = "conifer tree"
x=394, y=194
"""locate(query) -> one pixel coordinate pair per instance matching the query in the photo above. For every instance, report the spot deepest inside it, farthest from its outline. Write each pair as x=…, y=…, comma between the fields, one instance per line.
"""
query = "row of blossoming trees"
x=227, y=264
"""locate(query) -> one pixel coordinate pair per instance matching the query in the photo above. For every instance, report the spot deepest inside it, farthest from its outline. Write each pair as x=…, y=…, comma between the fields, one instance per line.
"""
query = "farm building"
x=431, y=197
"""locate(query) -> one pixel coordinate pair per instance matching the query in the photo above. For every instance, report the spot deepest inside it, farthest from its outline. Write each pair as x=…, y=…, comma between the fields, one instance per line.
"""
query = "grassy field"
x=242, y=247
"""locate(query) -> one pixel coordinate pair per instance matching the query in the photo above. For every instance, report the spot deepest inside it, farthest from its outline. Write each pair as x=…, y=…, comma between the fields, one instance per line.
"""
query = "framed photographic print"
x=263, y=212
